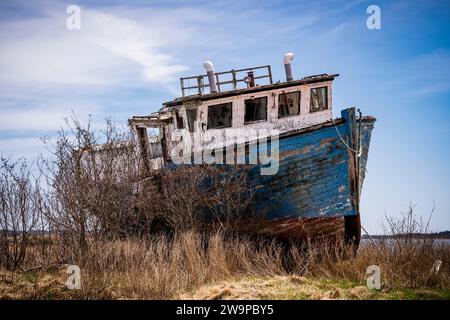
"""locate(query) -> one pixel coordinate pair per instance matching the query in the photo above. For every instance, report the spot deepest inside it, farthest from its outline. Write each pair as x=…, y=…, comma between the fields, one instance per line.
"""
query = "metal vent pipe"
x=211, y=77
x=288, y=57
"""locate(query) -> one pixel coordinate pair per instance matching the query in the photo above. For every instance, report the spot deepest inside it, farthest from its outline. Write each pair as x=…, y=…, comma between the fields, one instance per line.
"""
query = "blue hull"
x=317, y=188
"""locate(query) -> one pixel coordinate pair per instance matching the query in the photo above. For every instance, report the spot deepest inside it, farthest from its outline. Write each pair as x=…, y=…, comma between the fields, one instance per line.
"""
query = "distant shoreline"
x=437, y=235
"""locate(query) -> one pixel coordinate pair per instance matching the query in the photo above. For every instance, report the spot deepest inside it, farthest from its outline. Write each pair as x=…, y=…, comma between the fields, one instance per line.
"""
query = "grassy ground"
x=216, y=266
x=51, y=285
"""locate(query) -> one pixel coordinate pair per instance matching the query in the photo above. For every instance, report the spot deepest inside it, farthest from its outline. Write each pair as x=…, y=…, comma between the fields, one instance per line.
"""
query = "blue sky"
x=127, y=57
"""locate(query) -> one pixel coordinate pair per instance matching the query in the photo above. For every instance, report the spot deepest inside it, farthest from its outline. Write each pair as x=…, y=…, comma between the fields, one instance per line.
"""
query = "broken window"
x=319, y=99
x=154, y=144
x=288, y=104
x=192, y=118
x=255, y=109
x=179, y=120
x=220, y=116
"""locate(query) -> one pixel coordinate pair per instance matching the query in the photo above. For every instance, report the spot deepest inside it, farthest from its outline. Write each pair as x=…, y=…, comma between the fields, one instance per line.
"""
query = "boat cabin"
x=246, y=98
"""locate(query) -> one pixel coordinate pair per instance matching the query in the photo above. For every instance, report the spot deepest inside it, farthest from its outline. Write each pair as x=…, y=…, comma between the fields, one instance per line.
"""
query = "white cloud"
x=47, y=70
x=132, y=46
x=107, y=50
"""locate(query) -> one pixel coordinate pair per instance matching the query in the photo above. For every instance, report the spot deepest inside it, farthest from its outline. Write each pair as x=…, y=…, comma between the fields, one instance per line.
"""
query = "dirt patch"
x=296, y=287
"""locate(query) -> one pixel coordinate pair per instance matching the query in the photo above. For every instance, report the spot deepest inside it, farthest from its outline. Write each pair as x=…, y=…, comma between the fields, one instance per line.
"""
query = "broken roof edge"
x=154, y=119
x=278, y=85
x=164, y=112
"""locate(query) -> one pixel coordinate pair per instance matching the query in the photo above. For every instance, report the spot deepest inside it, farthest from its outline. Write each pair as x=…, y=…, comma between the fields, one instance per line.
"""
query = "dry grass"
x=401, y=265
x=163, y=268
x=194, y=265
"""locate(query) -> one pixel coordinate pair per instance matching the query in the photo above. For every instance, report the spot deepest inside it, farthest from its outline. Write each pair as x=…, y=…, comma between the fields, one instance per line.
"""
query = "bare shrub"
x=230, y=195
x=95, y=191
x=190, y=196
x=410, y=252
x=407, y=255
x=180, y=199
x=19, y=211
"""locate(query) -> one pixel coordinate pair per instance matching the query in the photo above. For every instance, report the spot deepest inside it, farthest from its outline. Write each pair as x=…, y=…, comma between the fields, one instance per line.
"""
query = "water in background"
x=436, y=241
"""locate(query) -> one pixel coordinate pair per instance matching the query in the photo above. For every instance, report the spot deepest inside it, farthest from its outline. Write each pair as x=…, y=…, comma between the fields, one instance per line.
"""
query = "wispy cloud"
x=423, y=75
x=48, y=71
x=107, y=50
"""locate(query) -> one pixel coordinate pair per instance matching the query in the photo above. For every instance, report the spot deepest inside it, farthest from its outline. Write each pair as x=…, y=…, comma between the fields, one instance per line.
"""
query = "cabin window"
x=255, y=109
x=179, y=119
x=192, y=118
x=220, y=116
x=288, y=104
x=319, y=99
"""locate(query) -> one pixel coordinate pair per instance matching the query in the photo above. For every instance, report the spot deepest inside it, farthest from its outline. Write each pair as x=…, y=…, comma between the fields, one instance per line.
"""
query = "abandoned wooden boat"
x=320, y=161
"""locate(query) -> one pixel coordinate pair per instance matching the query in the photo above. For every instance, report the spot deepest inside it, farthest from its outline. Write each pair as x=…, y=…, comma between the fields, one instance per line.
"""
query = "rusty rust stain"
x=296, y=228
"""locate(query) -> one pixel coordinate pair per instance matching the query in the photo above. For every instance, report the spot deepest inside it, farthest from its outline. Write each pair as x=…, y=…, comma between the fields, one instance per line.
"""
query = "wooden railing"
x=236, y=77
